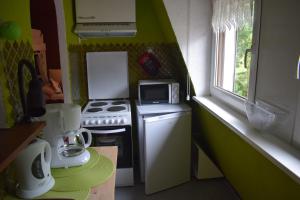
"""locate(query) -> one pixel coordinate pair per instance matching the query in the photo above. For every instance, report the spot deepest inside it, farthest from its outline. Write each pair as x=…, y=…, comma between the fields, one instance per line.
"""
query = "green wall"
x=18, y=11
x=153, y=25
x=252, y=175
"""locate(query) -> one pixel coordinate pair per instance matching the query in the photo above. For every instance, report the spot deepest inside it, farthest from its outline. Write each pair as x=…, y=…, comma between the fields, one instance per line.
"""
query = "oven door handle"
x=108, y=131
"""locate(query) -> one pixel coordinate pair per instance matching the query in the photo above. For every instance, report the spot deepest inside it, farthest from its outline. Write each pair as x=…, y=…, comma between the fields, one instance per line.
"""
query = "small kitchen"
x=128, y=105
x=106, y=89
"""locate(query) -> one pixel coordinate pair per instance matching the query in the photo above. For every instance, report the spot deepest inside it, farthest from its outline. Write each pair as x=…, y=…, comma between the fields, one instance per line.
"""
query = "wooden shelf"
x=13, y=140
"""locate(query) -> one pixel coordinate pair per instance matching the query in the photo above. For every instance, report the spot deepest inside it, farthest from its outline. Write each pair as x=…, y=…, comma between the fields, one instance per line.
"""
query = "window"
x=232, y=73
x=234, y=52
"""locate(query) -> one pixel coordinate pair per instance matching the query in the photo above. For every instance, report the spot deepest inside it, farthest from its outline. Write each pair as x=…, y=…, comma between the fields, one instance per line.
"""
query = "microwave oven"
x=158, y=91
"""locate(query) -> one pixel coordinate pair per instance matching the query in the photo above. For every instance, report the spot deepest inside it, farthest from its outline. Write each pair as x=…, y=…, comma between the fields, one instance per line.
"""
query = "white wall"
x=178, y=14
x=191, y=21
x=278, y=54
x=279, y=49
x=63, y=50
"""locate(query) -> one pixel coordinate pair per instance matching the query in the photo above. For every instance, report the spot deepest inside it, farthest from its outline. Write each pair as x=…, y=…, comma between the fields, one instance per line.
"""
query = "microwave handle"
x=108, y=131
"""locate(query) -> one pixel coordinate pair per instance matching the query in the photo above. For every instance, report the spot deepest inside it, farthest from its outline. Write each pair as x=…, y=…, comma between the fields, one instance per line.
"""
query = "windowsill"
x=278, y=152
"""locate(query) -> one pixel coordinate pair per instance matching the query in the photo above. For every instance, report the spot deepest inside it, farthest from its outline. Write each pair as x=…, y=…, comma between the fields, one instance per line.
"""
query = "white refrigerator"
x=164, y=133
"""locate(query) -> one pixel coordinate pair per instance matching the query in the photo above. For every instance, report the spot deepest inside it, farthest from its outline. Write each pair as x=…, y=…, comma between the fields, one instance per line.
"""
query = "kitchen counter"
x=106, y=191
x=14, y=140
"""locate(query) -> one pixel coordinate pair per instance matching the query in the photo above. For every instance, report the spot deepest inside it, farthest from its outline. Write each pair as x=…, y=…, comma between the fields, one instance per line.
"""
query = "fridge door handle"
x=165, y=116
x=108, y=131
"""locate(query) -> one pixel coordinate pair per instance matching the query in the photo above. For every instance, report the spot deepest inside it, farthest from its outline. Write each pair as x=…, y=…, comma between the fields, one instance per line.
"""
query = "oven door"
x=115, y=136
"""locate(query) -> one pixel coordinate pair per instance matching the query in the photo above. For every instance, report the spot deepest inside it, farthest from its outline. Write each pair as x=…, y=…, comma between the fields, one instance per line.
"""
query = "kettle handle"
x=48, y=153
x=46, y=156
x=89, y=134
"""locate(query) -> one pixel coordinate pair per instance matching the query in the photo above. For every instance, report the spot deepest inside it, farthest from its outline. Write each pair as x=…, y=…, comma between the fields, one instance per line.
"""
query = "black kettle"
x=33, y=106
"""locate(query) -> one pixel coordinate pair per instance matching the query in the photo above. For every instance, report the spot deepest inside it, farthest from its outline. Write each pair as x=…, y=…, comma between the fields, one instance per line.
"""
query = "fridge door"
x=167, y=150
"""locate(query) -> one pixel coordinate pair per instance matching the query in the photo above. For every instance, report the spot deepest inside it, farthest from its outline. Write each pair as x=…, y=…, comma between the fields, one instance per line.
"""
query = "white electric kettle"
x=65, y=136
x=33, y=173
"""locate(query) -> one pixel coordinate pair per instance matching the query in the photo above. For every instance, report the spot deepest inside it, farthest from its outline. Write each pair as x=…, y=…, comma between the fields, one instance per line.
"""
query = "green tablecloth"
x=64, y=172
x=85, y=177
x=77, y=195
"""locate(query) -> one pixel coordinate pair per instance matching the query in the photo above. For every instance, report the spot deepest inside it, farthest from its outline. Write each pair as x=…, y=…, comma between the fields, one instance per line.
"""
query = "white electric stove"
x=108, y=113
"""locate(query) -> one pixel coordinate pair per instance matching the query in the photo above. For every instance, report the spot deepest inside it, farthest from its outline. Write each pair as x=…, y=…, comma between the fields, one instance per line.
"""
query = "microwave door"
x=167, y=142
x=154, y=94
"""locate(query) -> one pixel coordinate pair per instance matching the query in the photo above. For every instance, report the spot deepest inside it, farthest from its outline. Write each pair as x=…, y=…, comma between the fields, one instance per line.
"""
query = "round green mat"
x=63, y=172
x=76, y=195
x=87, y=178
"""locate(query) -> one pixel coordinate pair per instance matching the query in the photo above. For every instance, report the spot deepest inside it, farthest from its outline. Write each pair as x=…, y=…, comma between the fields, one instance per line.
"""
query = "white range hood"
x=101, y=18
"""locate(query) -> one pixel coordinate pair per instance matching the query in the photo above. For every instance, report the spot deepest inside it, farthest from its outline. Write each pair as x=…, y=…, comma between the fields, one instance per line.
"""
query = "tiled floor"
x=213, y=189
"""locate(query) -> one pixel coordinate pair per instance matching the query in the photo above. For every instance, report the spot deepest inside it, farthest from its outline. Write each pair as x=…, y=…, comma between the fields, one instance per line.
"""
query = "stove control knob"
x=112, y=121
x=98, y=121
x=106, y=121
x=122, y=121
x=86, y=122
x=92, y=122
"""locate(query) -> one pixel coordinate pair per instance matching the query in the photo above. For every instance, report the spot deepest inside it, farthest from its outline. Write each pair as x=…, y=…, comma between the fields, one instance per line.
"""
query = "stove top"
x=106, y=107
x=106, y=113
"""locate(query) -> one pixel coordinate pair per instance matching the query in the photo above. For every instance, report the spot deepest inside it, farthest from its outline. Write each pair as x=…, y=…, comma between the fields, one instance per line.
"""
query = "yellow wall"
x=18, y=11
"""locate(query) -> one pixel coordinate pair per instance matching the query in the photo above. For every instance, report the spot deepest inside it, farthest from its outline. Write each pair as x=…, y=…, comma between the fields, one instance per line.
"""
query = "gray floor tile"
x=213, y=189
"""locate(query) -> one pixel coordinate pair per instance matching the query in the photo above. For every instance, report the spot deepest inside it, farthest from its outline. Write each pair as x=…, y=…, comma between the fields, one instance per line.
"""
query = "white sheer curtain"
x=231, y=14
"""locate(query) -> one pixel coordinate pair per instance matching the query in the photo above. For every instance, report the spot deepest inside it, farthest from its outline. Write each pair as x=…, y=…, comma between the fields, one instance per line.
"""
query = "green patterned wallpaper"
x=167, y=54
x=10, y=51
x=13, y=52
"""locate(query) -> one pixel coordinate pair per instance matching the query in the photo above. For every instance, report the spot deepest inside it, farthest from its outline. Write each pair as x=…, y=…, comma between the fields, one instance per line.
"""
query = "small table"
x=106, y=191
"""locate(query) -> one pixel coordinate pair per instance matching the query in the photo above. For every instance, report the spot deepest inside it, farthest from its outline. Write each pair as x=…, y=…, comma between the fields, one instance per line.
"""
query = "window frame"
x=225, y=96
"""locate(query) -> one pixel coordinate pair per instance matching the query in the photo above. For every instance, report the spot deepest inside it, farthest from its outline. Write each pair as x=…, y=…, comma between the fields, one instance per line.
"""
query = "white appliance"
x=108, y=113
x=65, y=136
x=33, y=173
x=158, y=91
x=164, y=132
x=98, y=18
